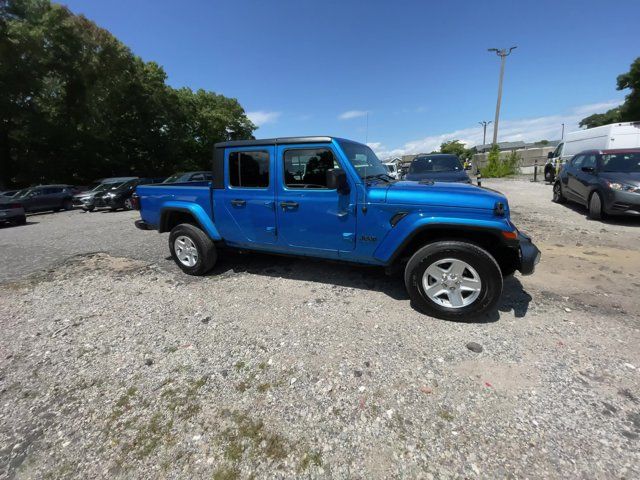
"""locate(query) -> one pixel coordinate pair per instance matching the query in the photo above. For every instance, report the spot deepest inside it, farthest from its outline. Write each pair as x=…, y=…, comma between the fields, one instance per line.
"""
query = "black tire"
x=479, y=259
x=595, y=207
x=127, y=205
x=67, y=204
x=89, y=209
x=21, y=221
x=206, y=249
x=558, y=196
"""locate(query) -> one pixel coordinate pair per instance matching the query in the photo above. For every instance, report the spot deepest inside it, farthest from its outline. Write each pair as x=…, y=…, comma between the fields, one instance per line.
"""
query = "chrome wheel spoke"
x=452, y=283
x=186, y=251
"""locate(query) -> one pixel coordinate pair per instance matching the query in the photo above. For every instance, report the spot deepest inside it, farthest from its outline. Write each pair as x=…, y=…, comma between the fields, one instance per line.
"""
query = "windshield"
x=174, y=178
x=363, y=159
x=435, y=163
x=621, y=162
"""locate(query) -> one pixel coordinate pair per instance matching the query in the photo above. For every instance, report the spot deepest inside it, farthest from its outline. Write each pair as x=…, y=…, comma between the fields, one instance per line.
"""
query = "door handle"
x=291, y=205
x=238, y=203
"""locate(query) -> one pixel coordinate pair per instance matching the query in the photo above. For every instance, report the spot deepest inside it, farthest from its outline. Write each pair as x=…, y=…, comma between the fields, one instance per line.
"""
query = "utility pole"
x=562, y=137
x=484, y=124
x=503, y=54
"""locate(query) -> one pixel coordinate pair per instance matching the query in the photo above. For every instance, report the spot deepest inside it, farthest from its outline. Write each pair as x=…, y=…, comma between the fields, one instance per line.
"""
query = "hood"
x=445, y=194
x=448, y=176
x=630, y=178
x=88, y=194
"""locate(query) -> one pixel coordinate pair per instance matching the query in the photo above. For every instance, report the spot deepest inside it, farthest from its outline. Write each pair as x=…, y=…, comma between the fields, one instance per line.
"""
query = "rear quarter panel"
x=193, y=197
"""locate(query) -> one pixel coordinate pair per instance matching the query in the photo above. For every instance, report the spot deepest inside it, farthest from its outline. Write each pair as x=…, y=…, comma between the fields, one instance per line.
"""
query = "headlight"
x=623, y=187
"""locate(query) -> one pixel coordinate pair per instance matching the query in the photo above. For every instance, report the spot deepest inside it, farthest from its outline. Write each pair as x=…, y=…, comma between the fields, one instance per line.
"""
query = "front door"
x=584, y=179
x=249, y=196
x=312, y=217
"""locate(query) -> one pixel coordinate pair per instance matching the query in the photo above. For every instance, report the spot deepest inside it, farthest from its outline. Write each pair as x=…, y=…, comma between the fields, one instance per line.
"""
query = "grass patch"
x=446, y=415
x=226, y=473
x=310, y=458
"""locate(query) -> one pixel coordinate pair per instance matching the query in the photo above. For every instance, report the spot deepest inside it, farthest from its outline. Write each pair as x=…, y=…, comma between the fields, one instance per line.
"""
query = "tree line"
x=629, y=111
x=77, y=105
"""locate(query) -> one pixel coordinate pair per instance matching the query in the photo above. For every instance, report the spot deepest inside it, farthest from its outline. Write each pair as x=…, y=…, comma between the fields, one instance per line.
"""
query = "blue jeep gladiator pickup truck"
x=332, y=198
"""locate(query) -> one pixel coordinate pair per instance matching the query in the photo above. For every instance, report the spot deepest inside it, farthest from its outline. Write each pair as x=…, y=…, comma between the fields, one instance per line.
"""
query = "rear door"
x=312, y=217
x=249, y=197
x=572, y=169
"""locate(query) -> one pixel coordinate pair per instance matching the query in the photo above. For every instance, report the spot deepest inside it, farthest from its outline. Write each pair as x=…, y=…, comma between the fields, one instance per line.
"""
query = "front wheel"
x=128, y=204
x=192, y=249
x=558, y=197
x=595, y=207
x=453, y=280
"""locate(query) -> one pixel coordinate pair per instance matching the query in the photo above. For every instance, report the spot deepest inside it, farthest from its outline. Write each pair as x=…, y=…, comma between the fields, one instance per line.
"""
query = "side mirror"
x=550, y=155
x=588, y=169
x=337, y=180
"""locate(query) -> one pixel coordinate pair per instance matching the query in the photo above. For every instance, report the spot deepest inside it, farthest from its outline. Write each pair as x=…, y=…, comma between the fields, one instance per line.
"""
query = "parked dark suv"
x=604, y=181
x=439, y=167
x=92, y=198
x=45, y=197
x=119, y=196
x=182, y=177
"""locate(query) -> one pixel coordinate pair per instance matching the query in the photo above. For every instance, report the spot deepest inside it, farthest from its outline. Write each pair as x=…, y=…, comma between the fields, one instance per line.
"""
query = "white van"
x=392, y=169
x=616, y=135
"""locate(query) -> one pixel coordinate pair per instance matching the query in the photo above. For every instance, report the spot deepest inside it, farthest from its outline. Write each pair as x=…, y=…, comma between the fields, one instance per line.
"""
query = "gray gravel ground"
x=116, y=365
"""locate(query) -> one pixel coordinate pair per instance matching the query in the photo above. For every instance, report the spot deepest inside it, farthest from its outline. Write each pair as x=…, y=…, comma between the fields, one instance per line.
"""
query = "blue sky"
x=420, y=68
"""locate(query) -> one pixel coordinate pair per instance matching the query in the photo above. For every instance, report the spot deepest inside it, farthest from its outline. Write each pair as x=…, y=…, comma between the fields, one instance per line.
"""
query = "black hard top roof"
x=273, y=141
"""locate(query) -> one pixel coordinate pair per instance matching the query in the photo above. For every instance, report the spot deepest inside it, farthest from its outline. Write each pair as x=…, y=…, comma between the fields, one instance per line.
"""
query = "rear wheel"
x=67, y=204
x=128, y=204
x=595, y=207
x=192, y=249
x=21, y=220
x=558, y=197
x=453, y=280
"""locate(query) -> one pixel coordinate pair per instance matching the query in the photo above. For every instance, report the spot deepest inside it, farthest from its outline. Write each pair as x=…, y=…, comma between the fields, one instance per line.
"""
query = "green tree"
x=76, y=104
x=599, y=119
x=499, y=167
x=629, y=111
x=455, y=147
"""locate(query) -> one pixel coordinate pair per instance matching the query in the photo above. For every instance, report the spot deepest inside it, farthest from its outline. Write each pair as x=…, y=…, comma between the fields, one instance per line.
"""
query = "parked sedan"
x=12, y=211
x=439, y=167
x=607, y=182
x=45, y=197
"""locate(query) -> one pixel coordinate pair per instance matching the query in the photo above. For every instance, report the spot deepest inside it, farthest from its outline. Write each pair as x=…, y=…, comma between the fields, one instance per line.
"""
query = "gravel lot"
x=116, y=365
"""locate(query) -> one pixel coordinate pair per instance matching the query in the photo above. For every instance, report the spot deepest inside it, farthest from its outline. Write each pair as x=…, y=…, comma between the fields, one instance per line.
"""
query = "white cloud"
x=526, y=129
x=348, y=115
x=260, y=117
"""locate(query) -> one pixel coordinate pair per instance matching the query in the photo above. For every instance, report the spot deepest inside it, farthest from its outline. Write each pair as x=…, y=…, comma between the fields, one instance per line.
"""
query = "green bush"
x=497, y=167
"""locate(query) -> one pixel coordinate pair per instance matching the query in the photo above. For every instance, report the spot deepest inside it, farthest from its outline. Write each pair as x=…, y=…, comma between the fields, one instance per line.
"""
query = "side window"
x=198, y=177
x=577, y=161
x=208, y=176
x=249, y=169
x=589, y=161
x=307, y=168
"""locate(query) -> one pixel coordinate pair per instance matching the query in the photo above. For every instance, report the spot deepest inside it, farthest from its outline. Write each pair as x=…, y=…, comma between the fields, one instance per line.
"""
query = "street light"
x=484, y=124
x=503, y=54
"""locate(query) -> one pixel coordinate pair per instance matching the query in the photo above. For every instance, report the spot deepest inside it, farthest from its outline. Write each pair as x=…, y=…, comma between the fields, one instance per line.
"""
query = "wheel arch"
x=173, y=215
x=489, y=239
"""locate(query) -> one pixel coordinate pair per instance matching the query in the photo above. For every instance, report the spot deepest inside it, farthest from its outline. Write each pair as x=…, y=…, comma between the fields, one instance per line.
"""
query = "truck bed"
x=154, y=197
